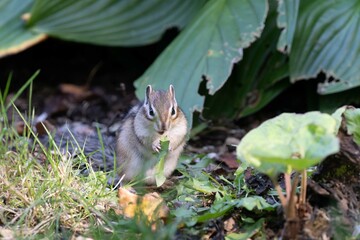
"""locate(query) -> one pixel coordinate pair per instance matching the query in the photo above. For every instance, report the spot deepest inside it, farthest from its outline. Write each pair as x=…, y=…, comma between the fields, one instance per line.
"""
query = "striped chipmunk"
x=139, y=137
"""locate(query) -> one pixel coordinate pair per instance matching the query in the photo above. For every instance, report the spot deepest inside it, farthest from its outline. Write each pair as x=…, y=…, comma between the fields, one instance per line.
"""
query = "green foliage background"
x=275, y=43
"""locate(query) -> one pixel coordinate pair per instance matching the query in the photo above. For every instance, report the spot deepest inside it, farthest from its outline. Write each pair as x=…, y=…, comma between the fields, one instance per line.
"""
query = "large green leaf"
x=13, y=36
x=111, y=22
x=327, y=38
x=207, y=48
x=289, y=141
x=255, y=81
x=287, y=17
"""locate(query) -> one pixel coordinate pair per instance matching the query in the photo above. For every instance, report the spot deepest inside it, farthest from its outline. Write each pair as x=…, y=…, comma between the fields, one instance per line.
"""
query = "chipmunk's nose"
x=162, y=129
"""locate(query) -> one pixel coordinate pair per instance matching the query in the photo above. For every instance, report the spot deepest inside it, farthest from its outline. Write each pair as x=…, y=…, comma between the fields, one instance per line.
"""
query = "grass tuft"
x=41, y=189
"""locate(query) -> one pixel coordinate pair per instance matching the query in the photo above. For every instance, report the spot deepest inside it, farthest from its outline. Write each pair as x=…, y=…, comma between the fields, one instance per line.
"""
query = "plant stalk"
x=282, y=198
x=287, y=186
x=303, y=187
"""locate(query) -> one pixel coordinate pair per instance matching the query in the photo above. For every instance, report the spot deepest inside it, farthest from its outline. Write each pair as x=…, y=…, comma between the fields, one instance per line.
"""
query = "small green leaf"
x=223, y=205
x=159, y=167
x=248, y=231
x=201, y=186
x=289, y=141
x=250, y=203
x=352, y=116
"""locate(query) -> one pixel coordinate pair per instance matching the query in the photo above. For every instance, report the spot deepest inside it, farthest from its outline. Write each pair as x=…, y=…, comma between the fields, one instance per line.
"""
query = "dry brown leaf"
x=152, y=205
x=80, y=92
x=230, y=160
x=230, y=225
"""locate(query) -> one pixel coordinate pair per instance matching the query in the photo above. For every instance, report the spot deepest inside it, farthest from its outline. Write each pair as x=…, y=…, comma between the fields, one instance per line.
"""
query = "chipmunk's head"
x=161, y=108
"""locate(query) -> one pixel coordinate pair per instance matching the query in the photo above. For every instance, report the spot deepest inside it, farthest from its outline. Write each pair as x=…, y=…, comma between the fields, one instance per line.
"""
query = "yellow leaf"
x=151, y=205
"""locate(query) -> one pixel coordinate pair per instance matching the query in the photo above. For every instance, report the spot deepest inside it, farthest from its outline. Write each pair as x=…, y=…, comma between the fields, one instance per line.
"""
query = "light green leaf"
x=216, y=211
x=254, y=202
x=289, y=141
x=327, y=39
x=159, y=167
x=13, y=36
x=337, y=115
x=111, y=22
x=352, y=116
x=201, y=186
x=222, y=205
x=206, y=49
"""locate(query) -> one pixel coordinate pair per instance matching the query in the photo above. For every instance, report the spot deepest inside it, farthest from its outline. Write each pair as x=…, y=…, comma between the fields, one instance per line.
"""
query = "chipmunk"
x=139, y=137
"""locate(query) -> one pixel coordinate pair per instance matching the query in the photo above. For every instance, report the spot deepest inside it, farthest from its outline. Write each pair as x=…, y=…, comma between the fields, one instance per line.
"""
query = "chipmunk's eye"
x=173, y=111
x=151, y=111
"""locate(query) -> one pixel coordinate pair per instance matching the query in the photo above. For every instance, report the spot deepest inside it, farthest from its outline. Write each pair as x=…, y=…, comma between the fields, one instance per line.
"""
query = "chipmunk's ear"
x=147, y=93
x=172, y=92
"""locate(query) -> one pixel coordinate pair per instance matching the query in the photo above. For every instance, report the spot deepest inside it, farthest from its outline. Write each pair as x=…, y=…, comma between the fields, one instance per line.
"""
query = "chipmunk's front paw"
x=156, y=146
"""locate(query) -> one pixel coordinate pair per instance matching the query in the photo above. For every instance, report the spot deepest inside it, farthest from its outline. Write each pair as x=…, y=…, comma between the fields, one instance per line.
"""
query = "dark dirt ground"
x=85, y=86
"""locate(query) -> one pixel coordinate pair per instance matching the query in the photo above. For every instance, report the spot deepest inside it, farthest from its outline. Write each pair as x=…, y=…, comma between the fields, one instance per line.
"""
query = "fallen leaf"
x=79, y=92
x=230, y=225
x=230, y=160
x=151, y=205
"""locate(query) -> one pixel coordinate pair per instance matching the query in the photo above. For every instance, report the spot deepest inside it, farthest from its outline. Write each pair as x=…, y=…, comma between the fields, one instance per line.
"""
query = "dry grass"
x=41, y=190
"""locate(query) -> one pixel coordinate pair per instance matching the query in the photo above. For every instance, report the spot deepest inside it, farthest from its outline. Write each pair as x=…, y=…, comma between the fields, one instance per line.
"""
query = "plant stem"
x=283, y=200
x=287, y=186
x=303, y=187
x=290, y=208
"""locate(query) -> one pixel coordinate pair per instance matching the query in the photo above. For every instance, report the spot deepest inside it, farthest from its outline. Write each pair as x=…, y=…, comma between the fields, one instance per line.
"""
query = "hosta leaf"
x=327, y=38
x=255, y=81
x=111, y=22
x=207, y=48
x=13, y=36
x=287, y=17
x=289, y=141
